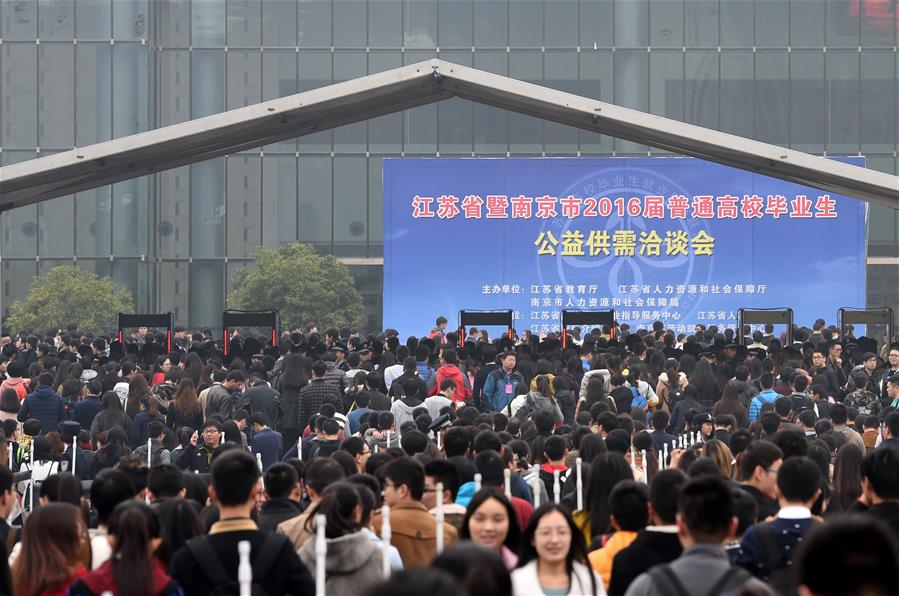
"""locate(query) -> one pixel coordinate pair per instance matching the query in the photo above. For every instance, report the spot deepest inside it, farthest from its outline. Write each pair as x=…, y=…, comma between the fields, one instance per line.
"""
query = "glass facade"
x=815, y=75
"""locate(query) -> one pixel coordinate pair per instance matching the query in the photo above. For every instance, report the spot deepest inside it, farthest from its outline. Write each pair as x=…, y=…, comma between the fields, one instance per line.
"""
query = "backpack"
x=638, y=400
x=780, y=576
x=212, y=568
x=668, y=584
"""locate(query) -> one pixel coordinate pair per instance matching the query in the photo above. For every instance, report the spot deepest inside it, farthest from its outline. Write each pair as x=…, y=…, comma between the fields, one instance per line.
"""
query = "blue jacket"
x=788, y=535
x=46, y=405
x=86, y=410
x=268, y=443
x=768, y=396
x=495, y=388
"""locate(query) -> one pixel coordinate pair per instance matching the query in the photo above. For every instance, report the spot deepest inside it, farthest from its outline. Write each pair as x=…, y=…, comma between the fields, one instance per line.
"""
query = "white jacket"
x=526, y=583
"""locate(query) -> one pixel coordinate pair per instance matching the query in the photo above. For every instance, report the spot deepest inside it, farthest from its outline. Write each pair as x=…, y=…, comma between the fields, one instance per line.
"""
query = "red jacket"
x=451, y=371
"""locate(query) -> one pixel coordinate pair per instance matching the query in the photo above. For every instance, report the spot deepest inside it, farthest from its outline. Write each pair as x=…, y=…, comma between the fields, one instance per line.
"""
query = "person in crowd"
x=767, y=549
x=412, y=527
x=554, y=557
x=199, y=459
x=490, y=522
x=353, y=562
x=628, y=514
x=480, y=569
x=705, y=518
x=261, y=398
x=110, y=415
x=44, y=404
x=823, y=567
x=265, y=442
x=133, y=568
x=235, y=489
x=47, y=567
x=282, y=496
x=658, y=542
x=445, y=472
x=158, y=453
x=185, y=409
x=499, y=386
x=759, y=465
x=318, y=475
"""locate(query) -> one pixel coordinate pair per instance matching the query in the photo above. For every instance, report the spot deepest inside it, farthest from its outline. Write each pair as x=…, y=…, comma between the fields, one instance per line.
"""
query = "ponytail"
x=133, y=524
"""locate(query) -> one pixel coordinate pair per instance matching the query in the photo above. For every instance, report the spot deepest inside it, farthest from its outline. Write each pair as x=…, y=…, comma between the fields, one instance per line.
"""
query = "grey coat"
x=353, y=564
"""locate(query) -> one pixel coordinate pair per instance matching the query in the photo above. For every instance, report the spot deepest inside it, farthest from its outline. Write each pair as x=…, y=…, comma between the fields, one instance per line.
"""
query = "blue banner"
x=679, y=240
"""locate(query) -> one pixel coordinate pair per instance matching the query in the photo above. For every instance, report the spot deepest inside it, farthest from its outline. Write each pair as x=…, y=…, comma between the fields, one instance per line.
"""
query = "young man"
x=891, y=428
x=658, y=542
x=165, y=482
x=9, y=535
x=555, y=452
x=219, y=400
x=445, y=398
x=705, y=518
x=158, y=453
x=766, y=396
x=839, y=414
x=412, y=527
x=880, y=477
x=444, y=472
x=629, y=507
x=44, y=404
x=265, y=442
x=861, y=398
x=199, y=459
x=111, y=487
x=758, y=475
x=891, y=372
x=282, y=496
x=767, y=549
x=209, y=562
x=360, y=451
x=660, y=420
x=317, y=392
x=318, y=475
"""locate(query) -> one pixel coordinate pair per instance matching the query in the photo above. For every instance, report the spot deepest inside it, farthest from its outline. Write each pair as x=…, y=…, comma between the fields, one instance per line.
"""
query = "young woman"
x=149, y=411
x=354, y=562
x=137, y=388
x=112, y=446
x=553, y=558
x=133, y=569
x=490, y=521
x=294, y=378
x=160, y=367
x=730, y=404
x=185, y=409
x=47, y=567
x=607, y=470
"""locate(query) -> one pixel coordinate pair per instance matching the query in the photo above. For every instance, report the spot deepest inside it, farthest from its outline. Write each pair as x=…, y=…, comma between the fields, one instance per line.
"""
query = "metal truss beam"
x=406, y=87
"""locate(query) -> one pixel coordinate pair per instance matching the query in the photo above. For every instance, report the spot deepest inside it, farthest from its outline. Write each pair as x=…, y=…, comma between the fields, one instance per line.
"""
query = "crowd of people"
x=630, y=462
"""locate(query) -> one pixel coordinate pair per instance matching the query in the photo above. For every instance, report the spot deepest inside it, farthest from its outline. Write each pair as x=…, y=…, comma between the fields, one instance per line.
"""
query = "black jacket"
x=767, y=505
x=287, y=575
x=264, y=399
x=480, y=378
x=647, y=550
x=275, y=511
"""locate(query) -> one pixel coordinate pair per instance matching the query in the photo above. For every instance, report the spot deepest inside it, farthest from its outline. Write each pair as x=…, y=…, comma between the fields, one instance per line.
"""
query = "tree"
x=301, y=284
x=68, y=295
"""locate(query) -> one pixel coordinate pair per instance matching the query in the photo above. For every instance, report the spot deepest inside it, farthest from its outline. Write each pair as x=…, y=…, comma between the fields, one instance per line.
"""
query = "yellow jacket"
x=601, y=560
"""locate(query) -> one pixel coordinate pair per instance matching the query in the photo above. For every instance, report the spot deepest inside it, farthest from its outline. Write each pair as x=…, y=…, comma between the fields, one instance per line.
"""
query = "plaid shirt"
x=312, y=396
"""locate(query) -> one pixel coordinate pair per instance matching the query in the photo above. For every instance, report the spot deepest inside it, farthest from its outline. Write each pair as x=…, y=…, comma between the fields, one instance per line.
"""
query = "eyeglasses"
x=773, y=470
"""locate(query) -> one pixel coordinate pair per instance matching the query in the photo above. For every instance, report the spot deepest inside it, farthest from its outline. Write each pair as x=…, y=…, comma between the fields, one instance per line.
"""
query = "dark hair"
x=133, y=524
x=234, y=475
x=46, y=564
x=554, y=448
x=758, y=453
x=165, y=481
x=576, y=552
x=337, y=504
x=414, y=442
x=664, y=491
x=352, y=445
x=848, y=556
x=847, y=475
x=706, y=506
x=881, y=468
x=606, y=471
x=405, y=470
x=62, y=488
x=746, y=509
x=321, y=472
x=792, y=443
x=446, y=472
x=798, y=479
x=179, y=521
x=839, y=413
x=513, y=536
x=421, y=580
x=481, y=570
x=628, y=504
x=110, y=487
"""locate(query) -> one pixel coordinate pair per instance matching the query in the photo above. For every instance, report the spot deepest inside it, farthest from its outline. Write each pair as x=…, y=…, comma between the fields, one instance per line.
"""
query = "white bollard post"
x=535, y=489
x=645, y=466
x=385, y=538
x=477, y=482
x=149, y=467
x=244, y=569
x=74, y=447
x=440, y=518
x=388, y=440
x=300, y=448
x=259, y=461
x=507, y=474
x=439, y=444
x=557, y=488
x=31, y=484
x=664, y=456
x=580, y=485
x=321, y=554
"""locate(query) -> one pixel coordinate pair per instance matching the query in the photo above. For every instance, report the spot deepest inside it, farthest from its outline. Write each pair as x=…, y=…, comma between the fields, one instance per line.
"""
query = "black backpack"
x=780, y=577
x=226, y=584
x=668, y=584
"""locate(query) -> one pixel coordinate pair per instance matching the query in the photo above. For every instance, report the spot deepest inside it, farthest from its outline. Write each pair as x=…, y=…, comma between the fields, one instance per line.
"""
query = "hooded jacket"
x=536, y=401
x=18, y=384
x=46, y=405
x=452, y=372
x=353, y=563
x=402, y=410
